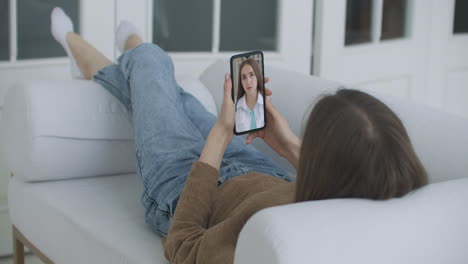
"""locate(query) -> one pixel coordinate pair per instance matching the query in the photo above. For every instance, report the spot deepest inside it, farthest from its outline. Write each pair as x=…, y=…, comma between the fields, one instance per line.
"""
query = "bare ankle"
x=69, y=38
x=132, y=42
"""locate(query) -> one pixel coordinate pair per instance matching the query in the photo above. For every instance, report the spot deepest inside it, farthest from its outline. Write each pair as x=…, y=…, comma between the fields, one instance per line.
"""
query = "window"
x=4, y=31
x=248, y=25
x=393, y=19
x=34, y=37
x=215, y=25
x=358, y=21
x=375, y=20
x=32, y=28
x=460, y=23
x=183, y=25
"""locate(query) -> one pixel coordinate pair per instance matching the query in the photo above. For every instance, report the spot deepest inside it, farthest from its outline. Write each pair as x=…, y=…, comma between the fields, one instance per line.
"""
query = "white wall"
x=5, y=228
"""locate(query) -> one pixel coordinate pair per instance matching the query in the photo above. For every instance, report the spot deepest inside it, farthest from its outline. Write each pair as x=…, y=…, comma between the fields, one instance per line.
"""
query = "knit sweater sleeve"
x=189, y=239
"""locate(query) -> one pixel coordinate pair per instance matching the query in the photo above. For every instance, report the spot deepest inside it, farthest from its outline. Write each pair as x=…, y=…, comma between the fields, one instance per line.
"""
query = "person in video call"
x=202, y=183
x=249, y=104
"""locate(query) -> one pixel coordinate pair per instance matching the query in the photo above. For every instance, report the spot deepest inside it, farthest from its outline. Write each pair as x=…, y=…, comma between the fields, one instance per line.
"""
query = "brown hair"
x=354, y=146
x=258, y=74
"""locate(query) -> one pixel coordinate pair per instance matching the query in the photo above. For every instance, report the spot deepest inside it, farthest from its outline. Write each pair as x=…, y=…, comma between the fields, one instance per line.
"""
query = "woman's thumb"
x=227, y=83
x=269, y=106
x=250, y=138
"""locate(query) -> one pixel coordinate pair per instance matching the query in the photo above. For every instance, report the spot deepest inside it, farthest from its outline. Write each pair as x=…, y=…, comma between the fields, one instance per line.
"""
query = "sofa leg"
x=18, y=248
x=19, y=242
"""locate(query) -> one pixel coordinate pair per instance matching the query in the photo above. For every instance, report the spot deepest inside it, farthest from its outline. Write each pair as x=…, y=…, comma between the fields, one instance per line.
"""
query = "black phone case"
x=247, y=54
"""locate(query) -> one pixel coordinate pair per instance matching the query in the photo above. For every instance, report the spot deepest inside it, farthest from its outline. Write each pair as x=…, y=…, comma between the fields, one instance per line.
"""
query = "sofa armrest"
x=65, y=129
x=73, y=128
x=427, y=226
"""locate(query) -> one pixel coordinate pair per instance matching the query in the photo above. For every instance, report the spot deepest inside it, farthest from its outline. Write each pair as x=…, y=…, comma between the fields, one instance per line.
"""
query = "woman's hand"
x=277, y=134
x=221, y=133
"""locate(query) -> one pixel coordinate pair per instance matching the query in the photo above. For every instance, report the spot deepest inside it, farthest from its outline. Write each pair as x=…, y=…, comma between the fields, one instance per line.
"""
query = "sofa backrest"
x=440, y=139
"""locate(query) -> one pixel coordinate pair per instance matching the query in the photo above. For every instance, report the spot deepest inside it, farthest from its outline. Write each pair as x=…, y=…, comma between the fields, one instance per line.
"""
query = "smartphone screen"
x=248, y=93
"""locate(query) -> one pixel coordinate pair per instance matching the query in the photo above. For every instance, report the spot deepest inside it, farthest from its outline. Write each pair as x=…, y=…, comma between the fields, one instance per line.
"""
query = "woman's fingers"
x=269, y=105
x=271, y=109
x=251, y=137
x=227, y=85
x=267, y=91
x=227, y=114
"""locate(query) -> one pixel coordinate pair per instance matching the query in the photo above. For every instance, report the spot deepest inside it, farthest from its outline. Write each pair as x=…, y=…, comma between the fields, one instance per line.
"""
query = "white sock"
x=123, y=32
x=60, y=25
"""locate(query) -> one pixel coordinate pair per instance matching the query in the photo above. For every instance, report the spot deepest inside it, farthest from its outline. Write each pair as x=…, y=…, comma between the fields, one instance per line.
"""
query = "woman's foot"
x=127, y=36
x=60, y=26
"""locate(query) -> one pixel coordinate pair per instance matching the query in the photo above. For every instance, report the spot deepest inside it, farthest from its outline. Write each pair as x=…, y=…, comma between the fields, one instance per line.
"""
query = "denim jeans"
x=170, y=128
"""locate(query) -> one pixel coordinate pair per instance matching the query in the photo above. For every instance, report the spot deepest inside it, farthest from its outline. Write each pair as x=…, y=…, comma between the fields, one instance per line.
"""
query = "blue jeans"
x=170, y=127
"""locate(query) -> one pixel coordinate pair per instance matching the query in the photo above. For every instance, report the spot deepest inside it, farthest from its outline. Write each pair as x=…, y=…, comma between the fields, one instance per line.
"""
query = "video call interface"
x=248, y=85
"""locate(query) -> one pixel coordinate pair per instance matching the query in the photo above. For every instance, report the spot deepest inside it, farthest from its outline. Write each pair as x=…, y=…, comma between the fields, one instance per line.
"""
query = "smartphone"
x=248, y=93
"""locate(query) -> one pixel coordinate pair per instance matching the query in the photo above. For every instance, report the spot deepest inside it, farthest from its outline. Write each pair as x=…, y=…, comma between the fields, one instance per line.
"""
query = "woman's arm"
x=189, y=240
x=215, y=145
x=292, y=150
x=222, y=132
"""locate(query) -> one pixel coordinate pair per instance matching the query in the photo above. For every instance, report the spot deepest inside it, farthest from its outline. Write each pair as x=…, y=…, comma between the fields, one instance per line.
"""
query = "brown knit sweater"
x=208, y=219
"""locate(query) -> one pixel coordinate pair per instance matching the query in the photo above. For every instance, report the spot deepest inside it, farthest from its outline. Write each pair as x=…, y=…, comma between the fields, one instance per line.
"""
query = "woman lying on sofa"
x=353, y=146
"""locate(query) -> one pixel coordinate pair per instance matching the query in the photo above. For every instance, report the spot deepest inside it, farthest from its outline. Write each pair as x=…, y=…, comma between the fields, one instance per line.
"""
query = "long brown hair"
x=258, y=74
x=355, y=146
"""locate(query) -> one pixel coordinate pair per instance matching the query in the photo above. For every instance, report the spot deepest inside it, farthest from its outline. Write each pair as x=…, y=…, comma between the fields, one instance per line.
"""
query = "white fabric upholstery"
x=68, y=129
x=65, y=129
x=427, y=226
x=91, y=220
x=197, y=89
x=439, y=138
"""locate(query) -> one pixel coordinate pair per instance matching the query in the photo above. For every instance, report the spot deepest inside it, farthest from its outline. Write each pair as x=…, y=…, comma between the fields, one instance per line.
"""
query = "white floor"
x=29, y=259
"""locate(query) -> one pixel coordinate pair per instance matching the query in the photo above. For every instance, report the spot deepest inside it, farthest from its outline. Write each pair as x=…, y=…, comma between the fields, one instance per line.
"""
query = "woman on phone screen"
x=249, y=104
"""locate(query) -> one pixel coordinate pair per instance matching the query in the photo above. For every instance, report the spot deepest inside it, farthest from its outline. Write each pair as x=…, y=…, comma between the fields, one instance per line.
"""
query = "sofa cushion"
x=74, y=128
x=427, y=226
x=90, y=220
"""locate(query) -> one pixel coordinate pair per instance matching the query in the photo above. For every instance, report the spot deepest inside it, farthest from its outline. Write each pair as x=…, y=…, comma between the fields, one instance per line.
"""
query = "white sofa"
x=74, y=196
